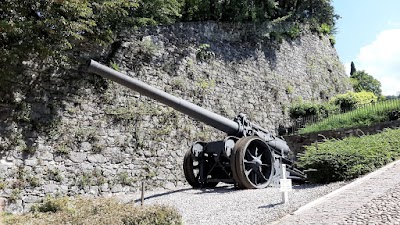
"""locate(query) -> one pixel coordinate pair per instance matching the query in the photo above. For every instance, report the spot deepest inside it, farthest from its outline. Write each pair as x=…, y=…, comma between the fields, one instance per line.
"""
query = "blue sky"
x=368, y=34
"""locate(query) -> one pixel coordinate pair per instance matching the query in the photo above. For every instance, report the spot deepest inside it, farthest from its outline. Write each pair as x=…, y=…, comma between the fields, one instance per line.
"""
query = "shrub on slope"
x=337, y=160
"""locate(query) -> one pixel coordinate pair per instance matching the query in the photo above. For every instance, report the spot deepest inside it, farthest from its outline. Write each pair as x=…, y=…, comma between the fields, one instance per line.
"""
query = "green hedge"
x=351, y=100
x=337, y=160
x=306, y=109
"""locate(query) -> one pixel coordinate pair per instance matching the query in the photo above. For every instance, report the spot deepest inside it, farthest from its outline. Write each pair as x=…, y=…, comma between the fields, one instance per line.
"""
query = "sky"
x=368, y=33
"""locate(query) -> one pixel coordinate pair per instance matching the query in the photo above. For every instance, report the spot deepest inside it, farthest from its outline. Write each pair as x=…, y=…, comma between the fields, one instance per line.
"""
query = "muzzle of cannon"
x=249, y=156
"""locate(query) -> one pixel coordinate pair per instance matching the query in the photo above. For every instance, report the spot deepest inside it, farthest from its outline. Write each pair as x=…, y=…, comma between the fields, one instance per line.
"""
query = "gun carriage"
x=249, y=156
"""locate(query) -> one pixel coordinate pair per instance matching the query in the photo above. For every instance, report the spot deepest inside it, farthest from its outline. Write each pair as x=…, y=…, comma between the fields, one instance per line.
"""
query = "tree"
x=362, y=81
x=48, y=28
x=352, y=68
x=152, y=12
x=49, y=31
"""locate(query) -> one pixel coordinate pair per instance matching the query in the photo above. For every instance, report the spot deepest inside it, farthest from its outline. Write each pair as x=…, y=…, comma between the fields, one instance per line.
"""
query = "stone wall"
x=76, y=133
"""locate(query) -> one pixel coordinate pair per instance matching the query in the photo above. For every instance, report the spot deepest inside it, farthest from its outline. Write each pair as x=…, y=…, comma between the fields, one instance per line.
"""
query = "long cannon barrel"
x=210, y=118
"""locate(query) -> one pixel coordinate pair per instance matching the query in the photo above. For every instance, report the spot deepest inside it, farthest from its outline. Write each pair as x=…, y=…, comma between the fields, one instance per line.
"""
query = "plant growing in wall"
x=55, y=175
x=15, y=195
x=125, y=179
x=84, y=180
x=147, y=46
x=62, y=149
x=114, y=66
x=204, y=84
x=289, y=89
x=178, y=84
x=275, y=36
x=294, y=31
x=98, y=177
x=3, y=184
x=332, y=40
x=325, y=29
x=32, y=181
x=204, y=53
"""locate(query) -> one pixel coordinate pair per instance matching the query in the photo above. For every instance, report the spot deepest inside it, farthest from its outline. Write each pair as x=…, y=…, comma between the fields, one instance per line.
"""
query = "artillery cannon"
x=249, y=156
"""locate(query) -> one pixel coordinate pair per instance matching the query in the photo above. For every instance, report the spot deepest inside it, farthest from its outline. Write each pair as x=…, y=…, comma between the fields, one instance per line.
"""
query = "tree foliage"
x=152, y=12
x=362, y=81
x=39, y=29
x=48, y=31
x=48, y=28
x=352, y=68
x=315, y=12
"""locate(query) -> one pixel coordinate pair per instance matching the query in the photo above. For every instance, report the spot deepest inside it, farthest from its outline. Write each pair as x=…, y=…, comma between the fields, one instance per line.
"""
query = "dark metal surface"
x=254, y=163
x=249, y=156
x=210, y=118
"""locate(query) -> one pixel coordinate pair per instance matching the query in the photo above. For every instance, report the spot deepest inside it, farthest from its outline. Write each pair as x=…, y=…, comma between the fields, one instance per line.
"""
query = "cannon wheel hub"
x=252, y=163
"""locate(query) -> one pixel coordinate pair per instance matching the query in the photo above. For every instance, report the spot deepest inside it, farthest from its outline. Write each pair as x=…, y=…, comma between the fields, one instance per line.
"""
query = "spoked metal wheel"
x=191, y=169
x=252, y=163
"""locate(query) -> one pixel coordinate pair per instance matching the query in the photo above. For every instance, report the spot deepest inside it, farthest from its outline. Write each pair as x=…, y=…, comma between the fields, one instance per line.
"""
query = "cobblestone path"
x=373, y=199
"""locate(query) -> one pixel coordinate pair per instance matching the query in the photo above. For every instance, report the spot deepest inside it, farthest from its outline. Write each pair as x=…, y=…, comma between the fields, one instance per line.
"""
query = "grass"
x=60, y=211
x=364, y=116
x=336, y=160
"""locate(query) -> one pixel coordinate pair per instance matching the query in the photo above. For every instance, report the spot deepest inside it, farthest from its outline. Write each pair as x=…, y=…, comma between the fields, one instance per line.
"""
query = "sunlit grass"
x=364, y=116
x=60, y=211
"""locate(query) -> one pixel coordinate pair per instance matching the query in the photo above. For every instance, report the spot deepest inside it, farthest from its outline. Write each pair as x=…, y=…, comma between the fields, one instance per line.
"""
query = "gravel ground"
x=226, y=205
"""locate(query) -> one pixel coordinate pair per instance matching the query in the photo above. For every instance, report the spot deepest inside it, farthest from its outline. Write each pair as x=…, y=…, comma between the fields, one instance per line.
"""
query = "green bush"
x=306, y=109
x=345, y=101
x=327, y=109
x=352, y=100
x=337, y=160
x=303, y=109
x=365, y=97
x=294, y=31
x=332, y=40
x=325, y=29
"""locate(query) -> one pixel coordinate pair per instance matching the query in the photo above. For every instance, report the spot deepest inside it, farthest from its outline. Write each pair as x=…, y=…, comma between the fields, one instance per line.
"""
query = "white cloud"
x=381, y=59
x=347, y=68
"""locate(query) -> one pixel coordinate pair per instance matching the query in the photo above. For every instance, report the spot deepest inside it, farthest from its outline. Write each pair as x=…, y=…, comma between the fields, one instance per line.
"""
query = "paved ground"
x=372, y=199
